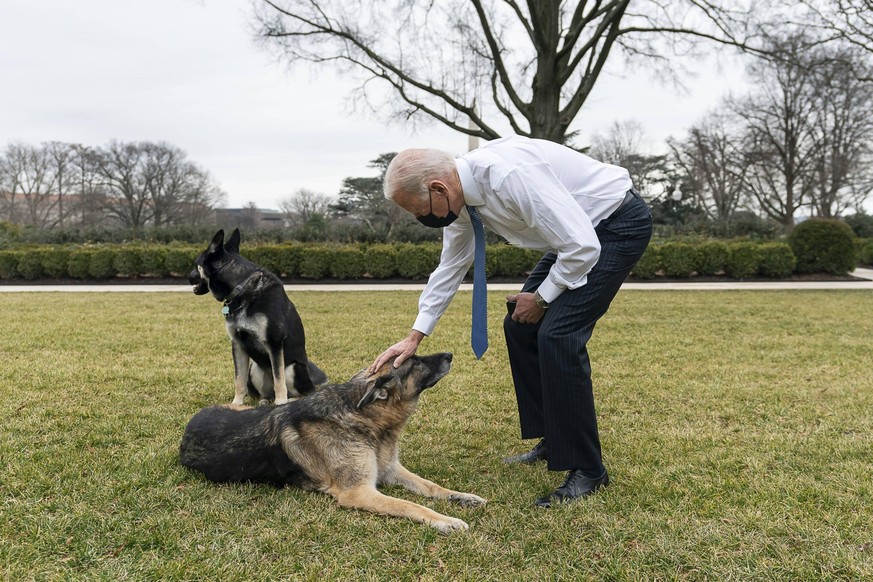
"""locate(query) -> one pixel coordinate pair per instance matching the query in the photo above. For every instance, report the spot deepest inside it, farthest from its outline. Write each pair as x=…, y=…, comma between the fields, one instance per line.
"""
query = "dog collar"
x=226, y=310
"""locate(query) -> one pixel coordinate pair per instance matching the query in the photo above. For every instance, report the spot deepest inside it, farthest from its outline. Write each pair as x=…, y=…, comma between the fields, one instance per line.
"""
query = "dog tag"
x=225, y=310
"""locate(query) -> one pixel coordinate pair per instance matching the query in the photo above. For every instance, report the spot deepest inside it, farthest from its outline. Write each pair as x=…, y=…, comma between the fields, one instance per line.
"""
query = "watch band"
x=542, y=303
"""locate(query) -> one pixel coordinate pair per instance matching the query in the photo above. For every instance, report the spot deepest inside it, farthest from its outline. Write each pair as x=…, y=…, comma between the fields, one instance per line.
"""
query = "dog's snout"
x=194, y=277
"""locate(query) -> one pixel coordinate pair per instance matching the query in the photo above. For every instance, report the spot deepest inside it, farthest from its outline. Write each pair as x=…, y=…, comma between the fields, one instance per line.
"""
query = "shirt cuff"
x=549, y=290
x=424, y=323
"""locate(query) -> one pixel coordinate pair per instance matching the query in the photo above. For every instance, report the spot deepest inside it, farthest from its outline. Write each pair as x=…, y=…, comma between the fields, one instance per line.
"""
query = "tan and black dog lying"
x=341, y=439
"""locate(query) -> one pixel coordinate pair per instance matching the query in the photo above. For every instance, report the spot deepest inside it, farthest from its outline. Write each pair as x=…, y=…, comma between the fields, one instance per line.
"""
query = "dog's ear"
x=217, y=243
x=377, y=389
x=232, y=244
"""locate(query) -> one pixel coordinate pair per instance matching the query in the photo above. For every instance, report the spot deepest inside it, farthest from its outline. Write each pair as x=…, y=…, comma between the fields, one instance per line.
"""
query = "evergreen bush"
x=267, y=256
x=154, y=261
x=289, y=256
x=417, y=261
x=180, y=260
x=9, y=264
x=678, y=259
x=712, y=257
x=348, y=262
x=648, y=265
x=79, y=262
x=824, y=246
x=30, y=264
x=508, y=261
x=743, y=260
x=102, y=265
x=777, y=260
x=866, y=253
x=315, y=261
x=54, y=262
x=127, y=261
x=380, y=261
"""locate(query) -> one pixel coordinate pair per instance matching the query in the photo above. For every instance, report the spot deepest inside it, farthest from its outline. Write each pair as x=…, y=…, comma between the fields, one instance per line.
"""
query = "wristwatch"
x=538, y=299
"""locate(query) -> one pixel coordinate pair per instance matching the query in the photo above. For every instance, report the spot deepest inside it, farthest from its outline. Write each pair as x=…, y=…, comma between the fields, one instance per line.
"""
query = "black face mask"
x=434, y=221
x=437, y=221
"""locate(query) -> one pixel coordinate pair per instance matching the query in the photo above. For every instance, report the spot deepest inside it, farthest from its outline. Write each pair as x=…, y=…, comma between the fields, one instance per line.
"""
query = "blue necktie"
x=479, y=339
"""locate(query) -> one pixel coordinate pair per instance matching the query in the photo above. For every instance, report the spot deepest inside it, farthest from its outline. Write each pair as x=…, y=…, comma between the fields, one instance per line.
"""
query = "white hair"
x=410, y=172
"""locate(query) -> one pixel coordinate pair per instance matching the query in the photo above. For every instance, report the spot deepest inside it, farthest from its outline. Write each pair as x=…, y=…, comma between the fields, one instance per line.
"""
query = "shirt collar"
x=472, y=196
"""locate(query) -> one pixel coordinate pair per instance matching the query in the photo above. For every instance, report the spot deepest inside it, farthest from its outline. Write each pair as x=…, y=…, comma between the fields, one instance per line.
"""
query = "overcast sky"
x=189, y=73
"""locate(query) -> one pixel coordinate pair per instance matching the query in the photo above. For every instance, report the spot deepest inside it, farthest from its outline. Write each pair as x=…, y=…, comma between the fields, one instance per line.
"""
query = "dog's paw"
x=448, y=525
x=281, y=400
x=467, y=499
x=238, y=400
x=263, y=402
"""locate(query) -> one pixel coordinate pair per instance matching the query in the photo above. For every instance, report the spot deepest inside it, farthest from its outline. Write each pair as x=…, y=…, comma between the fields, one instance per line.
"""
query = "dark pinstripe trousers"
x=549, y=359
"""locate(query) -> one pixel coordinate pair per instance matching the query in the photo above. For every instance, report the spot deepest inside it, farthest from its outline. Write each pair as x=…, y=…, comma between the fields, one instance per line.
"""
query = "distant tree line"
x=122, y=185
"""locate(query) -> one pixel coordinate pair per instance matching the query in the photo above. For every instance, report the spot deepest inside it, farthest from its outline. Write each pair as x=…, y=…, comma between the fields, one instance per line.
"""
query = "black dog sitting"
x=269, y=345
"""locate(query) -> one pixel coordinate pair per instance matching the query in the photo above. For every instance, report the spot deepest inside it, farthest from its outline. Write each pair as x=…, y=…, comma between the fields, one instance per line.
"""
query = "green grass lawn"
x=736, y=427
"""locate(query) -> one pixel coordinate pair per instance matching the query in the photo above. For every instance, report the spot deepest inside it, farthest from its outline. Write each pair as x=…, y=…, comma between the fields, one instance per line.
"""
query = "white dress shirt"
x=536, y=194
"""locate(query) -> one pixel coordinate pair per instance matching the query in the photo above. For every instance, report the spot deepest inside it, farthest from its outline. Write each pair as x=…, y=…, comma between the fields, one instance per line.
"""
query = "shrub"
x=380, y=261
x=823, y=246
x=712, y=256
x=315, y=261
x=30, y=264
x=743, y=260
x=678, y=259
x=9, y=264
x=508, y=261
x=348, y=262
x=128, y=261
x=417, y=261
x=647, y=266
x=777, y=259
x=154, y=261
x=268, y=257
x=54, y=262
x=866, y=253
x=79, y=262
x=180, y=260
x=102, y=265
x=862, y=224
x=289, y=257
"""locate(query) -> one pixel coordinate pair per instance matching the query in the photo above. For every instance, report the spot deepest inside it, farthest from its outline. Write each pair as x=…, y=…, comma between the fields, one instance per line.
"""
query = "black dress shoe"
x=575, y=487
x=538, y=453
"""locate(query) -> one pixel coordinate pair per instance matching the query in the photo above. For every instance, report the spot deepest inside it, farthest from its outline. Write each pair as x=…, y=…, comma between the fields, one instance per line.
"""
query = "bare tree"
x=303, y=206
x=89, y=204
x=479, y=65
x=121, y=167
x=622, y=142
x=848, y=21
x=61, y=156
x=712, y=159
x=779, y=137
x=842, y=175
x=175, y=185
x=153, y=184
x=28, y=178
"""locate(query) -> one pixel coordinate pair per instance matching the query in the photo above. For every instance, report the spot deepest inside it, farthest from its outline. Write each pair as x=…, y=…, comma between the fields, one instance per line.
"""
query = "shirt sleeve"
x=544, y=204
x=443, y=283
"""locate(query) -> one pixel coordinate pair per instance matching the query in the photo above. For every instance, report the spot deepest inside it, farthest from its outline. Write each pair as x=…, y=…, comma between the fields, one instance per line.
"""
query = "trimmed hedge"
x=712, y=257
x=743, y=260
x=380, y=262
x=679, y=259
x=416, y=261
x=648, y=265
x=777, y=260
